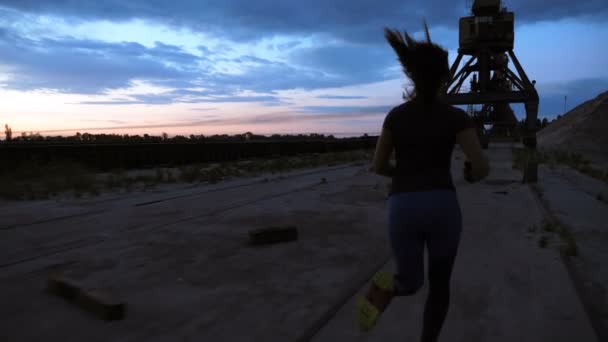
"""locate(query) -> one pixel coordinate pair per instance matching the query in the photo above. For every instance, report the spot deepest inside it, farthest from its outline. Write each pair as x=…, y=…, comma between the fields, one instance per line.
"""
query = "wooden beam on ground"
x=100, y=303
x=273, y=235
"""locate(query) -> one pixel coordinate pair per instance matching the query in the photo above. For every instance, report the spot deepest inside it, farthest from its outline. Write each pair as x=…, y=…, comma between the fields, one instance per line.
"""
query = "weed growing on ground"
x=540, y=192
x=160, y=176
x=189, y=173
x=550, y=228
x=521, y=155
x=552, y=158
x=532, y=229
x=170, y=177
x=36, y=180
x=543, y=241
x=570, y=247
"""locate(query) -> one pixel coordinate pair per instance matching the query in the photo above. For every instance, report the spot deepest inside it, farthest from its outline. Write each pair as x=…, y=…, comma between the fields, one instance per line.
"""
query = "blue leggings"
x=430, y=218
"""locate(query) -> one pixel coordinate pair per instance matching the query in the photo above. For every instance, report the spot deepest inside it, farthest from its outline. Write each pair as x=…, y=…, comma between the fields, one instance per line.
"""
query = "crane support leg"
x=529, y=141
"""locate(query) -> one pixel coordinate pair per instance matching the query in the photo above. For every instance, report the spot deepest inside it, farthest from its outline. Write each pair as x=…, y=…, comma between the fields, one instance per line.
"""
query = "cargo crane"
x=486, y=40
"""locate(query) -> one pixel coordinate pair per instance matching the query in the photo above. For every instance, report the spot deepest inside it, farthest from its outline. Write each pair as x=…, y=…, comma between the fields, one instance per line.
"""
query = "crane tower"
x=486, y=40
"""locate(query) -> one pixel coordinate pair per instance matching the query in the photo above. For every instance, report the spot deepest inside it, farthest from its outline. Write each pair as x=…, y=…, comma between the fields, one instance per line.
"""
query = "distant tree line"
x=163, y=138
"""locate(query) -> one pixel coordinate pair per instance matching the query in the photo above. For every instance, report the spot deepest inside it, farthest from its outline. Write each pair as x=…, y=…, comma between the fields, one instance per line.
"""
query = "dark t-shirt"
x=424, y=136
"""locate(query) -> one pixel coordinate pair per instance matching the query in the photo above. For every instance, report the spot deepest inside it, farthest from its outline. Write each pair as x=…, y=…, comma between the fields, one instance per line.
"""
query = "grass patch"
x=549, y=229
x=522, y=155
x=543, y=241
x=552, y=158
x=569, y=247
x=219, y=172
x=35, y=180
x=519, y=158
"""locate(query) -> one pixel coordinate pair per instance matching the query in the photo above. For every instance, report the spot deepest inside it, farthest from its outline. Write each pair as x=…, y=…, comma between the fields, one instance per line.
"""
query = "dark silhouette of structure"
x=8, y=132
x=487, y=39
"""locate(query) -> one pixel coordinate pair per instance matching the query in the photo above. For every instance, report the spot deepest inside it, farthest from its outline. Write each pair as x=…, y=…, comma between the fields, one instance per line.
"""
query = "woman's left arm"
x=384, y=148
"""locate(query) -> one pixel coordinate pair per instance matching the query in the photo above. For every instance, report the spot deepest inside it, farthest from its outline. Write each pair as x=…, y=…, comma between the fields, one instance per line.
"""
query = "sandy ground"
x=581, y=130
x=179, y=258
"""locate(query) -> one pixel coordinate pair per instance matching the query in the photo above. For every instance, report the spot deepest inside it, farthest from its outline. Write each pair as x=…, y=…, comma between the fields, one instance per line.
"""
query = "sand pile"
x=584, y=130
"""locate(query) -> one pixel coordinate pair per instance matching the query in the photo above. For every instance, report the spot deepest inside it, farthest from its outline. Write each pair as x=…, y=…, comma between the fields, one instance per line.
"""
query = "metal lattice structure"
x=486, y=40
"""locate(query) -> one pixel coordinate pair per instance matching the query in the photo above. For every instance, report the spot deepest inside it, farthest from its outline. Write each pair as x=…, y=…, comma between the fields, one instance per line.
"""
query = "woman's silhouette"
x=423, y=205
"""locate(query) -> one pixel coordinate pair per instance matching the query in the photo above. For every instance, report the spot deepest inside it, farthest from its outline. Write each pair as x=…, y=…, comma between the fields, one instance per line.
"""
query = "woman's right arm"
x=468, y=140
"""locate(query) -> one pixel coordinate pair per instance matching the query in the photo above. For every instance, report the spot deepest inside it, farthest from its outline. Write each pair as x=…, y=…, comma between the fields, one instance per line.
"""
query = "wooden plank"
x=273, y=235
x=63, y=287
x=98, y=302
x=103, y=304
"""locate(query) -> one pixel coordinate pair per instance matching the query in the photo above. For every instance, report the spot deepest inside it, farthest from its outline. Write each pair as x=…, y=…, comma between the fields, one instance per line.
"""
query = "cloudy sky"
x=266, y=66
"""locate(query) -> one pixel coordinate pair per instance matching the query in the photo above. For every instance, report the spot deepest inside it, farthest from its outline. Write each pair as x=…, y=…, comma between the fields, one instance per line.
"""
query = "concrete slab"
x=186, y=270
x=572, y=198
x=45, y=232
x=182, y=262
x=504, y=287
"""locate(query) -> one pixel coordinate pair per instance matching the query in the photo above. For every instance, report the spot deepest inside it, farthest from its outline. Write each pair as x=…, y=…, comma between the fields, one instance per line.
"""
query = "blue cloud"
x=355, y=20
x=551, y=96
x=287, y=46
x=345, y=64
x=112, y=102
x=346, y=109
x=309, y=72
x=87, y=67
x=579, y=91
x=92, y=67
x=341, y=97
x=349, y=46
x=265, y=99
x=177, y=97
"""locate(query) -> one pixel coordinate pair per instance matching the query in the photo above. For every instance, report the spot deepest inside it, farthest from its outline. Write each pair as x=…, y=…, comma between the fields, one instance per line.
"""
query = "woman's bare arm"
x=384, y=148
x=468, y=140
